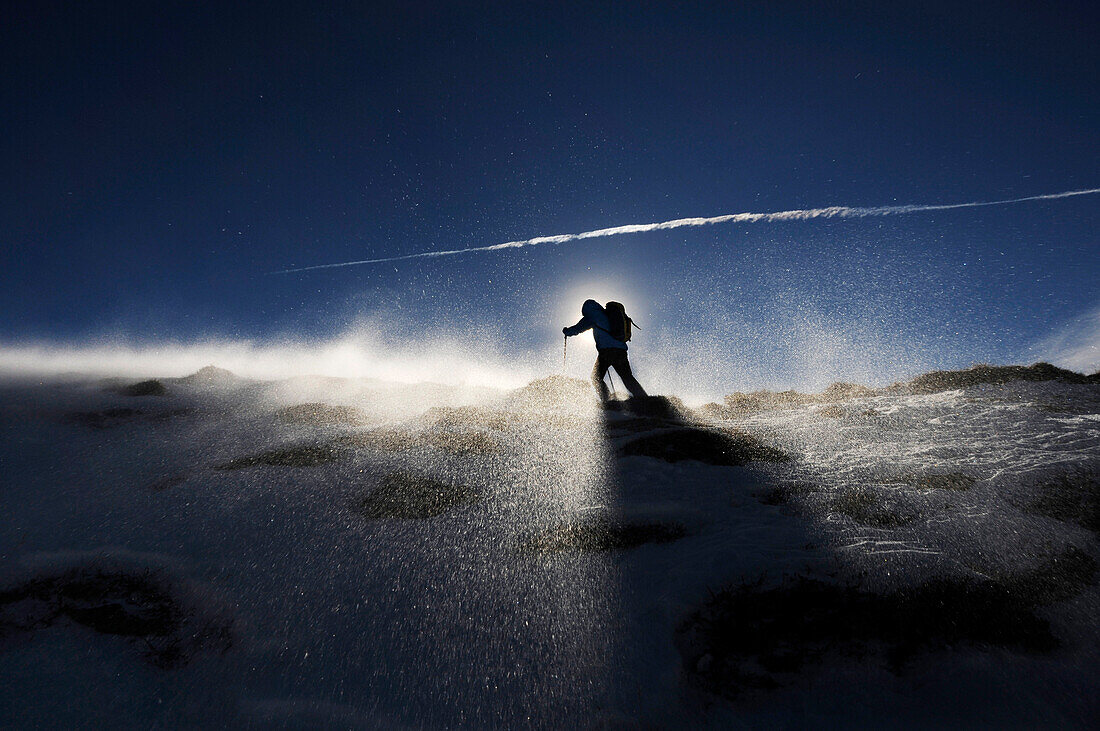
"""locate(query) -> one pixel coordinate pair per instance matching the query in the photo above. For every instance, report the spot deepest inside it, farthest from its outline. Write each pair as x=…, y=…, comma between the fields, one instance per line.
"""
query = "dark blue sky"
x=161, y=158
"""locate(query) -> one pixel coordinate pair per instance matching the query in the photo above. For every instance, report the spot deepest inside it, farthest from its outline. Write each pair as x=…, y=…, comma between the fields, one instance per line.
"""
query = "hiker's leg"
x=622, y=367
x=598, y=372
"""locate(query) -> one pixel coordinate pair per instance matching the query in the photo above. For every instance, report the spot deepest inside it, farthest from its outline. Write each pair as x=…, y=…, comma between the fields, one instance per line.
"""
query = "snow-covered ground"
x=993, y=444
x=220, y=555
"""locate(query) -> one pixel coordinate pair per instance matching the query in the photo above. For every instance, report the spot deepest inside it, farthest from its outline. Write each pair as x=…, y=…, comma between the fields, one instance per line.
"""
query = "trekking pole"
x=564, y=351
x=612, y=381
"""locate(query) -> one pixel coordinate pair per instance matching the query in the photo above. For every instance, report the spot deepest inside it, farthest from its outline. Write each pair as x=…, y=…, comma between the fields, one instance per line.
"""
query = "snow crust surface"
x=338, y=620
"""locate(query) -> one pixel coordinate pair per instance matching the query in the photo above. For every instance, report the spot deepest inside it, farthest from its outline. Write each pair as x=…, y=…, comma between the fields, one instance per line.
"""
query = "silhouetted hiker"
x=611, y=329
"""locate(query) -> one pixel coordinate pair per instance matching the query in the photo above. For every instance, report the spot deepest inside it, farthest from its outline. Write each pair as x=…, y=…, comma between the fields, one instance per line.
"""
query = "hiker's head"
x=591, y=307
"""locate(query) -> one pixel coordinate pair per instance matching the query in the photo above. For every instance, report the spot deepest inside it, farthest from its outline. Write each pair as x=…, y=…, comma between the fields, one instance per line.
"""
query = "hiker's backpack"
x=620, y=321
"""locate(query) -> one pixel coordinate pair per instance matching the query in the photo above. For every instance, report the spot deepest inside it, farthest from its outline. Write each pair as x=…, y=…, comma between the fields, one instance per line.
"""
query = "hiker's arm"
x=583, y=324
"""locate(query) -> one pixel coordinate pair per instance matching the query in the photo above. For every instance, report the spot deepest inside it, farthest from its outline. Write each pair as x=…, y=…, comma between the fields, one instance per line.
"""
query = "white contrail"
x=799, y=215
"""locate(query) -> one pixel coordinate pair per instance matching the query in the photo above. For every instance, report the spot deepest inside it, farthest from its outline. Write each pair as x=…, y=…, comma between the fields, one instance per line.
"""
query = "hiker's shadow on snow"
x=684, y=519
x=650, y=444
x=664, y=429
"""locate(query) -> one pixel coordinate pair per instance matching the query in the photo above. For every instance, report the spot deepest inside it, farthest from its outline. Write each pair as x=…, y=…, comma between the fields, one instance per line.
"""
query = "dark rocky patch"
x=141, y=606
x=783, y=493
x=398, y=440
x=861, y=505
x=986, y=374
x=727, y=448
x=478, y=418
x=1063, y=577
x=553, y=392
x=103, y=419
x=166, y=483
x=461, y=442
x=601, y=533
x=713, y=411
x=1072, y=496
x=404, y=495
x=165, y=415
x=637, y=425
x=320, y=414
x=958, y=481
x=211, y=376
x=748, y=638
x=468, y=417
x=668, y=408
x=116, y=416
x=832, y=411
x=143, y=388
x=740, y=404
x=841, y=391
x=383, y=440
x=307, y=455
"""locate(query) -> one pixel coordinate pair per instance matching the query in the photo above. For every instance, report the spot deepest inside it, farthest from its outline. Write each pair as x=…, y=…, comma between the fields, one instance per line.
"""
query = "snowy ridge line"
x=775, y=216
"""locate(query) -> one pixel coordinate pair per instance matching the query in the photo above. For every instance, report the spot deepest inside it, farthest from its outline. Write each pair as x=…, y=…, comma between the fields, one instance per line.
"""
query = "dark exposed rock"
x=935, y=480
x=657, y=407
x=715, y=447
x=742, y=404
x=832, y=411
x=513, y=417
x=981, y=374
x=1072, y=496
x=601, y=533
x=144, y=388
x=321, y=414
x=553, y=391
x=715, y=411
x=211, y=376
x=116, y=619
x=468, y=417
x=785, y=492
x=841, y=391
x=749, y=638
x=142, y=606
x=307, y=455
x=103, y=419
x=404, y=495
x=637, y=425
x=459, y=442
x=398, y=440
x=863, y=506
x=166, y=483
x=747, y=403
x=1062, y=577
x=116, y=416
